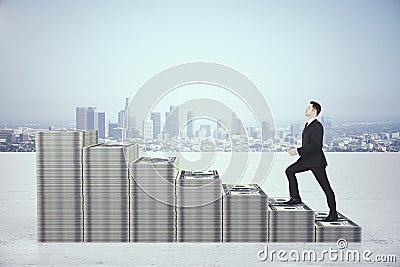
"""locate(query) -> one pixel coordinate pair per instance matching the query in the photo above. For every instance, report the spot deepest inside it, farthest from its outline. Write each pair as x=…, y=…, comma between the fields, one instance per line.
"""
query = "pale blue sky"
x=56, y=55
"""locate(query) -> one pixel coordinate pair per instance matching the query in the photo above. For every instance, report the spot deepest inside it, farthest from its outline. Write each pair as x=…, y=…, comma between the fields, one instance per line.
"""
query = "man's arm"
x=317, y=134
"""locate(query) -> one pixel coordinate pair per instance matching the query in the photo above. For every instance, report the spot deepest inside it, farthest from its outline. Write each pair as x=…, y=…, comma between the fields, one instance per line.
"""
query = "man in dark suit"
x=311, y=158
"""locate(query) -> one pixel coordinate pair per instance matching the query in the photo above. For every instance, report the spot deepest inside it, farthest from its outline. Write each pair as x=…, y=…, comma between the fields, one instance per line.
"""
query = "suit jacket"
x=311, y=154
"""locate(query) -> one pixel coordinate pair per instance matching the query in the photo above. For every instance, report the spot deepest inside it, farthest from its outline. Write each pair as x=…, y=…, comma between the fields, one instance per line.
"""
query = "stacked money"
x=343, y=228
x=59, y=184
x=199, y=207
x=106, y=192
x=290, y=223
x=245, y=217
x=152, y=202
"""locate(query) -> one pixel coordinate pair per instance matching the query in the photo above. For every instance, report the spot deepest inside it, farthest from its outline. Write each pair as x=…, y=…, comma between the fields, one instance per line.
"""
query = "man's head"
x=313, y=110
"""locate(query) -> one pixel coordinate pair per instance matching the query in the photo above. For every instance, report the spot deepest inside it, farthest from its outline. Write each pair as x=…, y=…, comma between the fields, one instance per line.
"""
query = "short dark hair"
x=316, y=106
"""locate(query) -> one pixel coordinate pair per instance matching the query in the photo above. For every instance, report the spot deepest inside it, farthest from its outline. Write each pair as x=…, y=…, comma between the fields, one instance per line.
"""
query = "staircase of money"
x=90, y=192
x=105, y=185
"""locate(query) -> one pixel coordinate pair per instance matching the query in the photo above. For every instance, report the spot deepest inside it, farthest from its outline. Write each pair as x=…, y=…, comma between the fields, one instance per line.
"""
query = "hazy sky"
x=56, y=55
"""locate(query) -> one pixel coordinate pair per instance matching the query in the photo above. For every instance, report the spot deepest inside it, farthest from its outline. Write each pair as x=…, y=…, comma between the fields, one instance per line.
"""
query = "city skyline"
x=89, y=117
x=59, y=55
x=159, y=123
x=345, y=137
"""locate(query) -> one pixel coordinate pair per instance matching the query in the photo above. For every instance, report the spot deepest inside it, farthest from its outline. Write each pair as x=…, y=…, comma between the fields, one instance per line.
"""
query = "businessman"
x=312, y=159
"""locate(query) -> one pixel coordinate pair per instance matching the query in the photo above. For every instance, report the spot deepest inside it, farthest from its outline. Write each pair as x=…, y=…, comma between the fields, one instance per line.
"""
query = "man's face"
x=310, y=111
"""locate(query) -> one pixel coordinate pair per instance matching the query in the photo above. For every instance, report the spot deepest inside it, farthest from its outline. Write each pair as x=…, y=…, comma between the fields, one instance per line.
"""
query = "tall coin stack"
x=153, y=199
x=59, y=184
x=106, y=192
x=331, y=232
x=199, y=206
x=290, y=223
x=245, y=217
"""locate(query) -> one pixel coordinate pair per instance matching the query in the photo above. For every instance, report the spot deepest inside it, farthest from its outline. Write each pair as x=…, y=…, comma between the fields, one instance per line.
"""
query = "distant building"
x=119, y=134
x=156, y=118
x=8, y=135
x=295, y=130
x=201, y=133
x=395, y=135
x=134, y=133
x=236, y=125
x=131, y=126
x=89, y=118
x=111, y=127
x=189, y=127
x=250, y=130
x=101, y=122
x=256, y=133
x=328, y=130
x=266, y=131
x=126, y=103
x=92, y=118
x=207, y=129
x=172, y=121
x=126, y=121
x=121, y=118
x=22, y=138
x=148, y=130
x=81, y=118
x=220, y=132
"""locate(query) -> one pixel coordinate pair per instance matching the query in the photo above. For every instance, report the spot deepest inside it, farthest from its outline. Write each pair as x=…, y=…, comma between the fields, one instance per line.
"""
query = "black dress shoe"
x=293, y=201
x=331, y=217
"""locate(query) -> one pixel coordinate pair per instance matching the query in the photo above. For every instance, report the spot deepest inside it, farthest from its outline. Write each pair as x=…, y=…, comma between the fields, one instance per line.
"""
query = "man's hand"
x=293, y=152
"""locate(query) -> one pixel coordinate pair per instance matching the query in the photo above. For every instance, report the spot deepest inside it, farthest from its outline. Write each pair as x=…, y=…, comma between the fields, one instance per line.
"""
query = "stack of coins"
x=59, y=184
x=343, y=228
x=152, y=202
x=106, y=192
x=245, y=217
x=199, y=207
x=290, y=223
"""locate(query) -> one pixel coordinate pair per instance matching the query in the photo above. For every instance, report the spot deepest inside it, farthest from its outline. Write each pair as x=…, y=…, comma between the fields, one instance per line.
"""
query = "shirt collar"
x=310, y=121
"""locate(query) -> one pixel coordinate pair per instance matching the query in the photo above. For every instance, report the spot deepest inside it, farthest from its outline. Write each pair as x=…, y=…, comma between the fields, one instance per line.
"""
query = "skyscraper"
x=328, y=130
x=132, y=131
x=221, y=133
x=156, y=118
x=189, y=127
x=121, y=118
x=119, y=134
x=236, y=125
x=295, y=130
x=266, y=131
x=172, y=121
x=111, y=127
x=101, y=116
x=81, y=118
x=89, y=118
x=126, y=103
x=148, y=130
x=92, y=118
x=207, y=129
